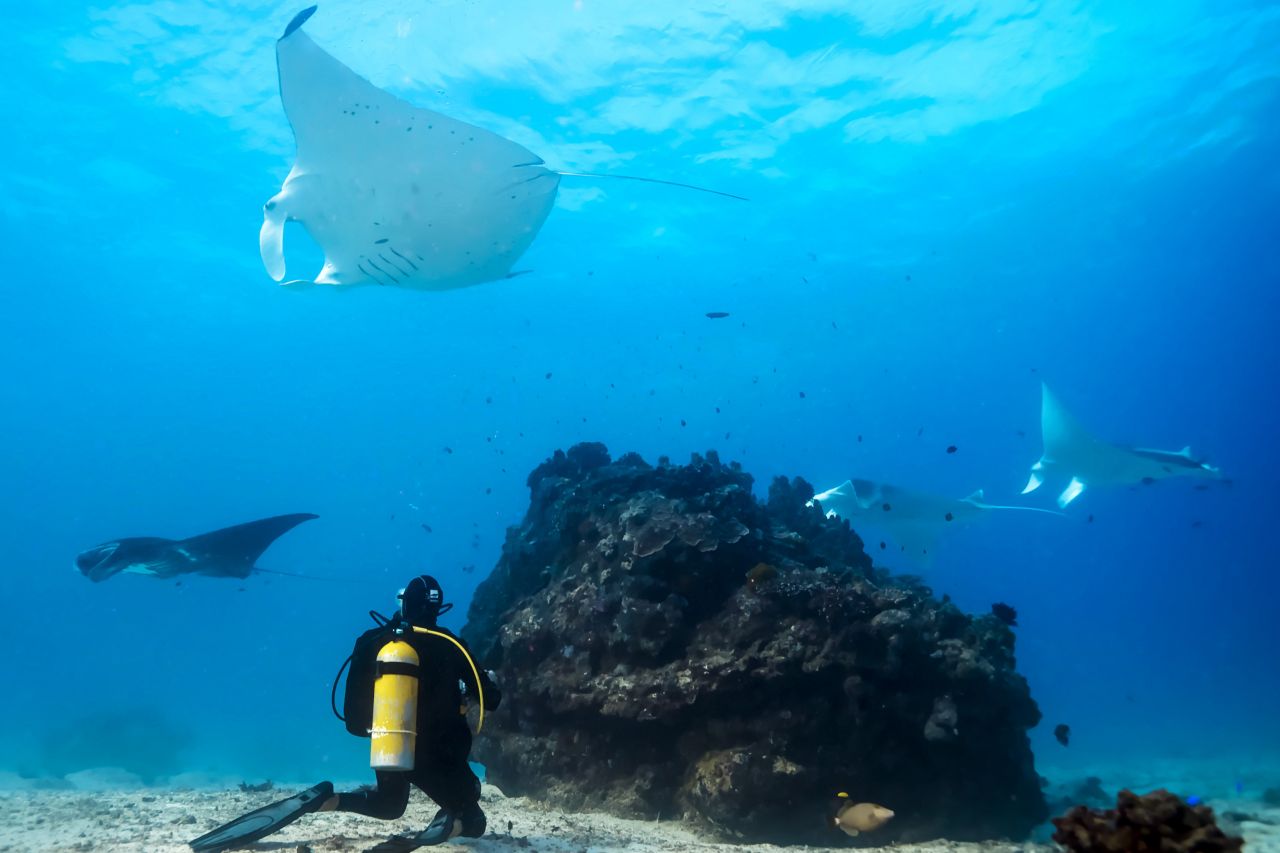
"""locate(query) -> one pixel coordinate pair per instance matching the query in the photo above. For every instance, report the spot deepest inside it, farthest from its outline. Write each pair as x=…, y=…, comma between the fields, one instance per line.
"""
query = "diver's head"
x=422, y=601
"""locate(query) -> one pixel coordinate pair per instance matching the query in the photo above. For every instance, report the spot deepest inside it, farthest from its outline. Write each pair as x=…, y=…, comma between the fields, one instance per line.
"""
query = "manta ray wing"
x=233, y=551
x=392, y=193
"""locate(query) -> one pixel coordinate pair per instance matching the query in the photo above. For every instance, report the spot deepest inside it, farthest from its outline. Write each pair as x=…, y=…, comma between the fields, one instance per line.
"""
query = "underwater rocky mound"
x=674, y=647
x=1158, y=821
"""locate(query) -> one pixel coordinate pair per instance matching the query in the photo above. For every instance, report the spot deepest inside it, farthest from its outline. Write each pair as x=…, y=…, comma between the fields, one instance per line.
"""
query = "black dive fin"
x=444, y=827
x=240, y=546
x=260, y=823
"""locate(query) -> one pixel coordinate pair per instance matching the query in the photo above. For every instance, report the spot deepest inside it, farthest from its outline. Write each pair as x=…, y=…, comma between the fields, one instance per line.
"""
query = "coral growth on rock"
x=674, y=646
x=1158, y=822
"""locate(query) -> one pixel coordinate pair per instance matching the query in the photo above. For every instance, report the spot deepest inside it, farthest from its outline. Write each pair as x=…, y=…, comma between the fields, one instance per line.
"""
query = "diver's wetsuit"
x=440, y=768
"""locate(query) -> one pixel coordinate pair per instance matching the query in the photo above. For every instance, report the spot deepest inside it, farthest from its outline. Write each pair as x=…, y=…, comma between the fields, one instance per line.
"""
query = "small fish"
x=951, y=448
x=468, y=569
x=1063, y=733
x=886, y=507
x=427, y=527
x=1005, y=614
x=717, y=315
x=801, y=395
x=950, y=517
x=760, y=575
x=855, y=818
x=548, y=376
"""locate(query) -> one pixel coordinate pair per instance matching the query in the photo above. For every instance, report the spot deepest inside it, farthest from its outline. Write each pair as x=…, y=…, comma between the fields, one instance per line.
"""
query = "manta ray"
x=227, y=553
x=1074, y=452
x=913, y=519
x=395, y=194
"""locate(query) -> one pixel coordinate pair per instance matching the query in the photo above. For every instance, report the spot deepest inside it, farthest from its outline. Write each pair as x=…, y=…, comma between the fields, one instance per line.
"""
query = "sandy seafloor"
x=164, y=819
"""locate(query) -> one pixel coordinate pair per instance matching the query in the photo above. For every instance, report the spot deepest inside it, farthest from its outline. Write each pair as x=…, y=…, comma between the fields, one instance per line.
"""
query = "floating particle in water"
x=951, y=448
x=801, y=395
x=950, y=517
x=717, y=315
x=919, y=432
x=488, y=491
x=1090, y=518
x=548, y=376
x=726, y=436
x=859, y=439
x=885, y=507
x=717, y=410
x=468, y=568
x=448, y=451
x=488, y=400
x=683, y=422
x=883, y=545
x=1197, y=523
x=833, y=325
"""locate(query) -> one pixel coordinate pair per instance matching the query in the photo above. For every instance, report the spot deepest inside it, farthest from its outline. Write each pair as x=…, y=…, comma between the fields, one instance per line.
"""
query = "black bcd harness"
x=357, y=701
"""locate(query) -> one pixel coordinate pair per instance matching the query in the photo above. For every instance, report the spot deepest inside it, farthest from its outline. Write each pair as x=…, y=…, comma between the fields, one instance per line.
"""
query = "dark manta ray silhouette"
x=227, y=553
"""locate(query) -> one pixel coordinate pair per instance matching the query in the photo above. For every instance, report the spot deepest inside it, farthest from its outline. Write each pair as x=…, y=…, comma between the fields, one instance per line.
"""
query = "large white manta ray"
x=1074, y=452
x=395, y=194
x=914, y=520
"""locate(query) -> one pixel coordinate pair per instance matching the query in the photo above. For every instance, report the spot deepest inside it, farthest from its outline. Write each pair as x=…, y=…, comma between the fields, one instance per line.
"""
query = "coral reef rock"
x=673, y=646
x=1158, y=822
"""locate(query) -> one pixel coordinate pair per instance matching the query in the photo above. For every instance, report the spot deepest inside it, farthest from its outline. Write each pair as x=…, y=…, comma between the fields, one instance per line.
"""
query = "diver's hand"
x=493, y=695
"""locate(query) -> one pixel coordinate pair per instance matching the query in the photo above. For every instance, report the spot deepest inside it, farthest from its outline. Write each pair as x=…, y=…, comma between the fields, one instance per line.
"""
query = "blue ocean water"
x=949, y=203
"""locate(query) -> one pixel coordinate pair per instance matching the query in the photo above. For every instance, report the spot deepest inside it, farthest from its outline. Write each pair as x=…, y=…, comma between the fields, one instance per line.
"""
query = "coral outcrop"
x=672, y=646
x=1159, y=822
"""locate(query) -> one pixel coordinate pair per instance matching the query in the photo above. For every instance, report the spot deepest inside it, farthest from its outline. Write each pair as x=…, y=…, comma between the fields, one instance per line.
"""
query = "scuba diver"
x=406, y=690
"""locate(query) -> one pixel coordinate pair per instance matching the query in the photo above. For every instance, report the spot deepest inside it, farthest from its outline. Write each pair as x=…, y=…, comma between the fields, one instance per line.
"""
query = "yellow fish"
x=854, y=818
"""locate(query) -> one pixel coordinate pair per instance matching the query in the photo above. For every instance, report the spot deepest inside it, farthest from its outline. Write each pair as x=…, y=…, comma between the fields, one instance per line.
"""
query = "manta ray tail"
x=649, y=181
x=977, y=500
x=243, y=544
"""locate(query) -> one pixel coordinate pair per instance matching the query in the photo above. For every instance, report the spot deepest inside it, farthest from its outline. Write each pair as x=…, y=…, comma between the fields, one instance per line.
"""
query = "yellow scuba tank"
x=395, y=708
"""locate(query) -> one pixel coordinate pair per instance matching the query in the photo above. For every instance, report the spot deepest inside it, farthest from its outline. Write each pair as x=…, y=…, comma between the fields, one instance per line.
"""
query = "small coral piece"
x=1159, y=822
